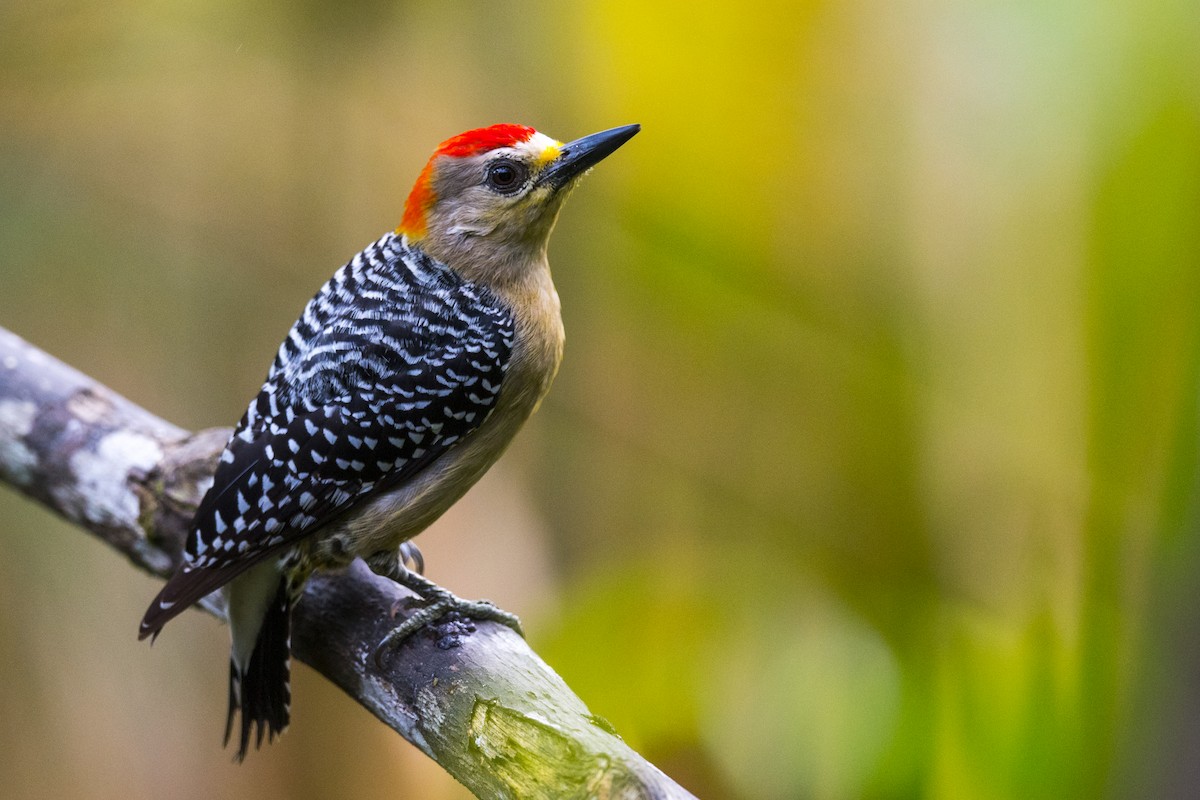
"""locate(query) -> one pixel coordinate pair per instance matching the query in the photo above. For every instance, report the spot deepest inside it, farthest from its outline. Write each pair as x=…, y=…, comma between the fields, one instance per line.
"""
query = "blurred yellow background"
x=871, y=471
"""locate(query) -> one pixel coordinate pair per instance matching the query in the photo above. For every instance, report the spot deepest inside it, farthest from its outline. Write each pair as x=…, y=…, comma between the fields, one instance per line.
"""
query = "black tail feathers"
x=263, y=692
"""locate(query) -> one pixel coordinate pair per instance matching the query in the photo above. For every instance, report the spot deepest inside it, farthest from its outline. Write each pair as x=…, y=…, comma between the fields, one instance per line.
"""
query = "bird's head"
x=488, y=198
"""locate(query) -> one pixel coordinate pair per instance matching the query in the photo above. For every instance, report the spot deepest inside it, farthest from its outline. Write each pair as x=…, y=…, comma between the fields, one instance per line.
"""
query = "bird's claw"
x=438, y=605
x=411, y=554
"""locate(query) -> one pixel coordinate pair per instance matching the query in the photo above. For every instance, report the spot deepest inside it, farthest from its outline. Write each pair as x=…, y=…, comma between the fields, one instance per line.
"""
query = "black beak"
x=579, y=156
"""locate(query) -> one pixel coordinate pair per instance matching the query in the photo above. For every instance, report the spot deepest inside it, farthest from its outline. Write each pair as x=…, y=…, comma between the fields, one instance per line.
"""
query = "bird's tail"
x=261, y=689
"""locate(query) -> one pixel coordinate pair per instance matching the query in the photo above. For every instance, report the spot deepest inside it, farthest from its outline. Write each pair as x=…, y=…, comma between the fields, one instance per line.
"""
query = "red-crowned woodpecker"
x=401, y=383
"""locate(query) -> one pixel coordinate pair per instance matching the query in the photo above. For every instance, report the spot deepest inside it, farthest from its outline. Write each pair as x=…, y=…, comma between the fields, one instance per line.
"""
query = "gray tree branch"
x=481, y=704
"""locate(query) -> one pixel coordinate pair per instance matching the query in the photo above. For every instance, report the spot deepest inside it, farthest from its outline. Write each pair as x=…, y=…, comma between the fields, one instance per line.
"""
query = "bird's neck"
x=540, y=337
x=530, y=295
x=533, y=300
x=518, y=275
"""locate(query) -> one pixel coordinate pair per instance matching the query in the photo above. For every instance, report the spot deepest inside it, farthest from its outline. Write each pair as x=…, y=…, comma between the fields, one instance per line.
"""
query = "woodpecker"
x=404, y=379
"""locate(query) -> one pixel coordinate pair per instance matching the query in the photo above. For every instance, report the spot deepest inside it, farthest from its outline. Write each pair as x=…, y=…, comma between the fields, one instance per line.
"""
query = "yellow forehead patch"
x=549, y=153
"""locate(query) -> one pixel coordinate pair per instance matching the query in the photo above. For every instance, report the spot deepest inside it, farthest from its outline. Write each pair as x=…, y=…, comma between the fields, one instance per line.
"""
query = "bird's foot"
x=437, y=603
x=397, y=564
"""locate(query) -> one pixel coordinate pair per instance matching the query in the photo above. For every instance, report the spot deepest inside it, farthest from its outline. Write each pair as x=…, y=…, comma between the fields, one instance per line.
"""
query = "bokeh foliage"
x=871, y=470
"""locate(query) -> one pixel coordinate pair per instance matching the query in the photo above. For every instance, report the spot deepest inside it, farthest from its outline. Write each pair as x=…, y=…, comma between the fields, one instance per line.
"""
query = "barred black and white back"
x=393, y=362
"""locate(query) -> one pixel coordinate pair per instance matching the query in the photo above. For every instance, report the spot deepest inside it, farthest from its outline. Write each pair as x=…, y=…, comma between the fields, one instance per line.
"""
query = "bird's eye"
x=506, y=176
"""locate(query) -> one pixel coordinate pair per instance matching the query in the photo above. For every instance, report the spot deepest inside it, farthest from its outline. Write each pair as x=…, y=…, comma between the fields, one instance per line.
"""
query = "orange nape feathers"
x=470, y=143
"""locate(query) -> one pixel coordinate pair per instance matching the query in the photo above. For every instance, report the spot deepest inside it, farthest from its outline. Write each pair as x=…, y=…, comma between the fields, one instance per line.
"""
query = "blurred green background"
x=871, y=471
